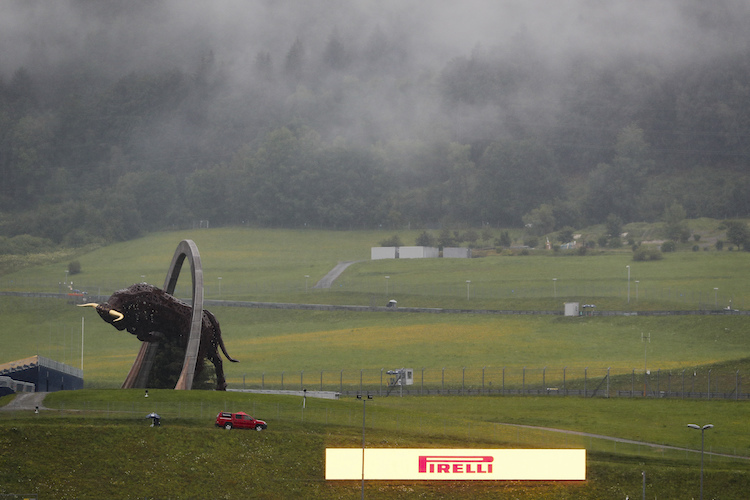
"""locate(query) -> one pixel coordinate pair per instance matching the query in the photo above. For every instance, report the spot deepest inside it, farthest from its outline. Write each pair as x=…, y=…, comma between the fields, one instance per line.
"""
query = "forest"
x=366, y=123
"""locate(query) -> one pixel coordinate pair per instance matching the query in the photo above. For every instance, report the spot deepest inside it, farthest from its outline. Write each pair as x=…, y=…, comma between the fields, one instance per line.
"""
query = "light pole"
x=628, y=284
x=364, y=411
x=468, y=284
x=716, y=298
x=554, y=286
x=646, y=339
x=702, y=429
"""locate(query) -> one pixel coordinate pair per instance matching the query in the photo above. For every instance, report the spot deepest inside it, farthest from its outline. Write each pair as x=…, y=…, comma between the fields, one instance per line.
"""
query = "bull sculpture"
x=151, y=314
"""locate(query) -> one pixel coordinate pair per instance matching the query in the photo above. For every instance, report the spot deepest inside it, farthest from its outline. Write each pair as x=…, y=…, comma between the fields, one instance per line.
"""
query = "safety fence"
x=698, y=383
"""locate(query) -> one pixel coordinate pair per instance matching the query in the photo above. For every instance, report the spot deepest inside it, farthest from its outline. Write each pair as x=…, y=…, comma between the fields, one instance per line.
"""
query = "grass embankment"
x=102, y=446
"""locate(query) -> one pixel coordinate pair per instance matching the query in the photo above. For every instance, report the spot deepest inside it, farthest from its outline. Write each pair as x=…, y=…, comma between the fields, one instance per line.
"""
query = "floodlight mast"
x=702, y=429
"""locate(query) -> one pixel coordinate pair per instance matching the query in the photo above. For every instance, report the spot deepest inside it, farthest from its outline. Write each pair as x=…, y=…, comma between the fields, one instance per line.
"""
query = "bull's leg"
x=221, y=383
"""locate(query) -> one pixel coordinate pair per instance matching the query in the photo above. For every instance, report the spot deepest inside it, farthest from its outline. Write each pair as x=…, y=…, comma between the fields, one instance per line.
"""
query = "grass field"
x=97, y=444
x=350, y=349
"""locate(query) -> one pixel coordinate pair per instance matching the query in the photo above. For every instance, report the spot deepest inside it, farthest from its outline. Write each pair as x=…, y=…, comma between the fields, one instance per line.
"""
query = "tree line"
x=351, y=134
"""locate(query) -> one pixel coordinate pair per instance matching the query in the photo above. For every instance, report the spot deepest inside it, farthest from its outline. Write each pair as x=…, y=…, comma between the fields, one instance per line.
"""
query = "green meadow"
x=485, y=357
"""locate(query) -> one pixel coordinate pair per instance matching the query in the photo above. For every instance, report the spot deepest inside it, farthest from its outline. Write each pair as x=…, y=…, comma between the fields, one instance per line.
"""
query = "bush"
x=645, y=253
x=531, y=242
x=425, y=240
x=470, y=235
x=668, y=246
x=719, y=245
x=393, y=241
x=74, y=268
x=504, y=240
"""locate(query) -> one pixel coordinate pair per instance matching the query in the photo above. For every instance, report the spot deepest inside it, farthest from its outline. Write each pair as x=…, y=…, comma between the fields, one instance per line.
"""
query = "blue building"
x=46, y=375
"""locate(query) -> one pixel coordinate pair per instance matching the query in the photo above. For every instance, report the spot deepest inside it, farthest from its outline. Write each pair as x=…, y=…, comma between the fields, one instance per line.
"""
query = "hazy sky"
x=135, y=33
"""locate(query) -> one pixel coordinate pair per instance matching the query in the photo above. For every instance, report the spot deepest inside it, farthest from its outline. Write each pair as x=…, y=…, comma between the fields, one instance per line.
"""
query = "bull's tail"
x=219, y=339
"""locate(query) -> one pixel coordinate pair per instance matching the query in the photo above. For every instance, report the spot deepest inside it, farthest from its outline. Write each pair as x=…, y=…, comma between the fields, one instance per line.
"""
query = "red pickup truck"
x=239, y=420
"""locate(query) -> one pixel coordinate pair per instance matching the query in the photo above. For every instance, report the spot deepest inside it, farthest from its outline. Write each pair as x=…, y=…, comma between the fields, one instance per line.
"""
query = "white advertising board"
x=456, y=465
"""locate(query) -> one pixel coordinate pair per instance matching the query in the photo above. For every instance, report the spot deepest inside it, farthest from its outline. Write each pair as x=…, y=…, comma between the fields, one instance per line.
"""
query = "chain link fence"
x=715, y=383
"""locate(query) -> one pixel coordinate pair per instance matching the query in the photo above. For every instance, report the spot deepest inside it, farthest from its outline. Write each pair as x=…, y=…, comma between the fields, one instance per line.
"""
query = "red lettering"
x=460, y=464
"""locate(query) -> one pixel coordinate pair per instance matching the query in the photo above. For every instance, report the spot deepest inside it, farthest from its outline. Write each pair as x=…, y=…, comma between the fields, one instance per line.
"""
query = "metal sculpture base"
x=139, y=372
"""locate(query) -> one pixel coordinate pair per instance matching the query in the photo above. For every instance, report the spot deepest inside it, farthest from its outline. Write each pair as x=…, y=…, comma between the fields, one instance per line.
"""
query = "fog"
x=125, y=36
x=95, y=43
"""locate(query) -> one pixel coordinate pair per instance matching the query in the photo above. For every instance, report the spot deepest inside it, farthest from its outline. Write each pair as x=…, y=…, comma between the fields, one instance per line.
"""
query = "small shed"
x=377, y=253
x=418, y=252
x=571, y=308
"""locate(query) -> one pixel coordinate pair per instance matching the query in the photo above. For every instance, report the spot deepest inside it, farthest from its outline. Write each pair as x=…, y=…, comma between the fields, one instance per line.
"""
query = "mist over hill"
x=118, y=118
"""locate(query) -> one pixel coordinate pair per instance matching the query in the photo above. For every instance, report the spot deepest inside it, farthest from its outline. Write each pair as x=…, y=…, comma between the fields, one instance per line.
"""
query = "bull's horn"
x=116, y=314
x=90, y=304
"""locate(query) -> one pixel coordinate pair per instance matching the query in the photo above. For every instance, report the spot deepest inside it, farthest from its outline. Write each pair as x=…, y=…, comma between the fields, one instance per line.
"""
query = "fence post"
x=282, y=381
x=737, y=385
x=608, y=382
x=658, y=372
x=544, y=378
x=301, y=380
x=585, y=380
x=341, y=383
x=321, y=380
x=360, y=380
x=683, y=383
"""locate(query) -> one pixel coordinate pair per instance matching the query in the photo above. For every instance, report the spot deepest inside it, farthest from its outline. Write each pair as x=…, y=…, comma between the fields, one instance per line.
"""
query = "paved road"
x=334, y=273
x=26, y=401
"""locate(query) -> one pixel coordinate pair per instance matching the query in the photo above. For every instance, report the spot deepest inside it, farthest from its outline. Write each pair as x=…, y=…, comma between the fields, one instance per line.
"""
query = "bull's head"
x=108, y=314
